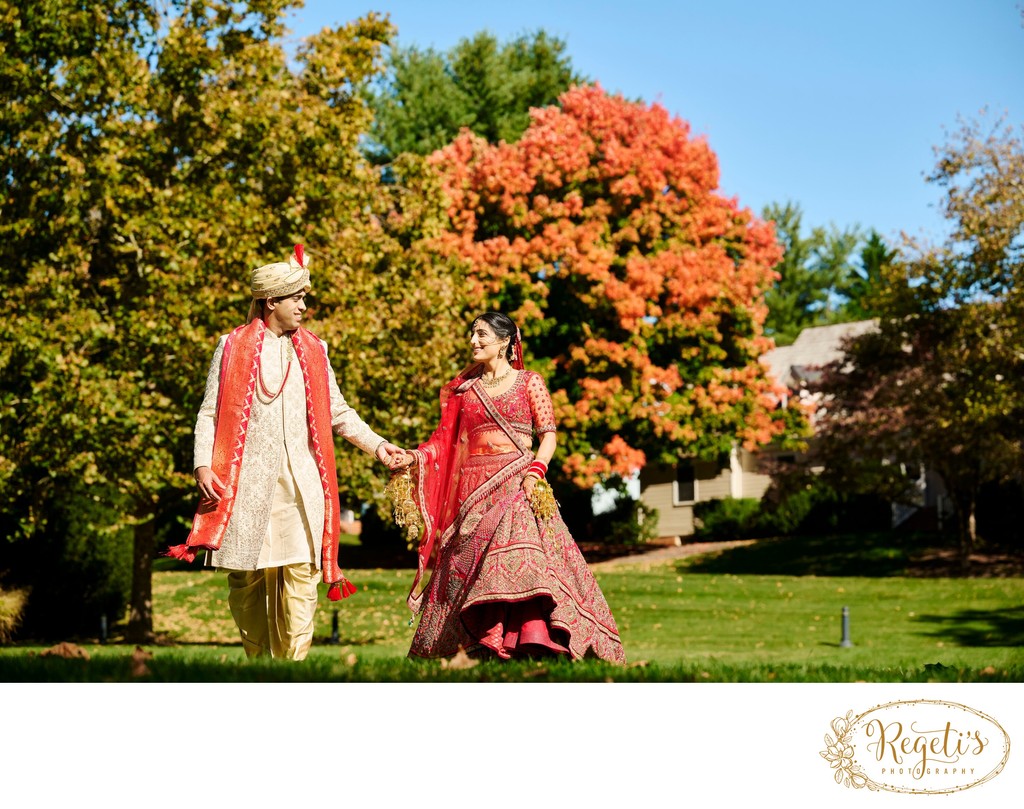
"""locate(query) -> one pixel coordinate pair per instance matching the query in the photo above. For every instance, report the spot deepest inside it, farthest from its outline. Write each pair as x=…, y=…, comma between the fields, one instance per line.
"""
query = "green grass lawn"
x=667, y=615
x=679, y=621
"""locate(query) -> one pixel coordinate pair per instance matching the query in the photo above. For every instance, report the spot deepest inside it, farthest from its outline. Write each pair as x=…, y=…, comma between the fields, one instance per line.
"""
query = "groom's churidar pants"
x=274, y=605
x=274, y=608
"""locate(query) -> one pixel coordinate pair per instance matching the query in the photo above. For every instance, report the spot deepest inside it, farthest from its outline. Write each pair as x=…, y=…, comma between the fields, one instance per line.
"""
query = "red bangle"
x=539, y=468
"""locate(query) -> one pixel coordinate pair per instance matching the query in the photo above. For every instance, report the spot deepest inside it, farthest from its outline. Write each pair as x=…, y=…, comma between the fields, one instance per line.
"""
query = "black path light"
x=846, y=642
x=335, y=637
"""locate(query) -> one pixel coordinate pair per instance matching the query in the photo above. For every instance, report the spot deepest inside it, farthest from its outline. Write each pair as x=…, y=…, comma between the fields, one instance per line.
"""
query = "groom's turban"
x=280, y=279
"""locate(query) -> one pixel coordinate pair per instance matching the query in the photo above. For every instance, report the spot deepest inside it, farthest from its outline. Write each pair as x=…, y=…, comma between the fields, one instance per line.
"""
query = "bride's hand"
x=528, y=483
x=404, y=461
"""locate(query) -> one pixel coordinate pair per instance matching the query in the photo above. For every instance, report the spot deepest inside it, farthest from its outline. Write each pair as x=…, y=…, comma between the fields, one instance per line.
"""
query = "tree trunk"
x=140, y=618
x=972, y=527
x=967, y=525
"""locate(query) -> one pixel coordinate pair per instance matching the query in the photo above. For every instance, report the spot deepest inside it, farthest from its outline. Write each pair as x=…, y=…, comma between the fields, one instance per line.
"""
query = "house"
x=349, y=523
x=674, y=490
x=797, y=364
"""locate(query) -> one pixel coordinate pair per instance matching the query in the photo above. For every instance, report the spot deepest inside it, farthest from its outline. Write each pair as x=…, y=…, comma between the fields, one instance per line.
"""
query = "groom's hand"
x=390, y=455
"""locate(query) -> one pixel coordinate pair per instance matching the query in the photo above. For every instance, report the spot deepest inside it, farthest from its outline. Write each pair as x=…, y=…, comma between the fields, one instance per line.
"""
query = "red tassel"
x=183, y=552
x=299, y=255
x=341, y=589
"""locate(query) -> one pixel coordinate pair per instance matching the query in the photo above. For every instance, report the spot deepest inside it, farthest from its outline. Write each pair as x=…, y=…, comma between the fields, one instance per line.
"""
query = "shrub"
x=731, y=518
x=75, y=570
x=12, y=602
x=817, y=508
x=629, y=522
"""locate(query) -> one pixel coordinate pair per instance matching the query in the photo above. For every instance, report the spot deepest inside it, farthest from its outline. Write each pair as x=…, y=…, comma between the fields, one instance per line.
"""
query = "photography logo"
x=921, y=746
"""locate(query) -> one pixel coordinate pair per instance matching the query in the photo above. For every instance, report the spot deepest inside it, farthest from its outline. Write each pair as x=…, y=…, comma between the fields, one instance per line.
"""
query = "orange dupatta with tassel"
x=238, y=372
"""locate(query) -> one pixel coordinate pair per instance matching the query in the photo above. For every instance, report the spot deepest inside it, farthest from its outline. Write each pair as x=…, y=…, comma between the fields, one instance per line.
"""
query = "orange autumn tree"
x=638, y=286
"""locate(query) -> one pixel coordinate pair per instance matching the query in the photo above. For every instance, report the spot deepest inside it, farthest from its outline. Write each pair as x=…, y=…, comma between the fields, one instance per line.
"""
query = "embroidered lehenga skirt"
x=507, y=586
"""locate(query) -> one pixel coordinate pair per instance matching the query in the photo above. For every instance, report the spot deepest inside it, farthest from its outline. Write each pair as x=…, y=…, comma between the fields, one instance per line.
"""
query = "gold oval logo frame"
x=869, y=735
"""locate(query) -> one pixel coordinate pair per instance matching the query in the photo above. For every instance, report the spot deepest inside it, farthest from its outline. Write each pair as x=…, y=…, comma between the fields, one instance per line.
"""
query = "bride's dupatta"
x=436, y=484
x=436, y=461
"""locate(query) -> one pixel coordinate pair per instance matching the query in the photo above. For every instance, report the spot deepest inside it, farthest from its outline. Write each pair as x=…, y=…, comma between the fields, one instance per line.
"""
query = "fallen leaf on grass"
x=988, y=671
x=460, y=660
x=139, y=658
x=66, y=650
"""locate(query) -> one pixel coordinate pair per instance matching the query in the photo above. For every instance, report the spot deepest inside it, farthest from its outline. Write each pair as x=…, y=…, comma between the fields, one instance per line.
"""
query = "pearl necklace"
x=495, y=381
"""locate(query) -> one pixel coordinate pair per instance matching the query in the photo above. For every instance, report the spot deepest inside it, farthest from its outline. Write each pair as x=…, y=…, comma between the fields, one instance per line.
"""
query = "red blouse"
x=526, y=406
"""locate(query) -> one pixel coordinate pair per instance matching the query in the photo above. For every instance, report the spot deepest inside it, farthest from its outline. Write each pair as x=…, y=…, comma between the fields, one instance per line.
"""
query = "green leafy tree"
x=427, y=97
x=640, y=288
x=940, y=382
x=153, y=154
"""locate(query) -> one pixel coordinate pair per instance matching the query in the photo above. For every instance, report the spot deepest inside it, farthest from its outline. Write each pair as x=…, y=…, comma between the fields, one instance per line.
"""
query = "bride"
x=507, y=579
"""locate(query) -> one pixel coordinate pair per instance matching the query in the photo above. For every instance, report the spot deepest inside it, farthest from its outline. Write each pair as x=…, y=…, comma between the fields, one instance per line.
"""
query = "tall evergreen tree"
x=812, y=274
x=425, y=98
x=863, y=287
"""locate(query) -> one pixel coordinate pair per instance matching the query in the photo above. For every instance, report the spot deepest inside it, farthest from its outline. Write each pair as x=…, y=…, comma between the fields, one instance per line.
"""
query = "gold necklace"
x=494, y=382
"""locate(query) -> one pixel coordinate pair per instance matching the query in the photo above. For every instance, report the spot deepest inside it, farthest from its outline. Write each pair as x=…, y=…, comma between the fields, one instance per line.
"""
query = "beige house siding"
x=755, y=486
x=742, y=478
x=713, y=483
x=754, y=483
x=658, y=491
x=673, y=520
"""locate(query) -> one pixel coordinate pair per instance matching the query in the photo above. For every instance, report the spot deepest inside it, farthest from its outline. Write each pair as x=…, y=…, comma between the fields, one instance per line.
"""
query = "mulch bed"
x=945, y=563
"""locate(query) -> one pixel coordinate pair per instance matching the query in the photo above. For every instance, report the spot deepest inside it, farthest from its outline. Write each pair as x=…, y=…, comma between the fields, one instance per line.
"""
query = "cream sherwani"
x=278, y=515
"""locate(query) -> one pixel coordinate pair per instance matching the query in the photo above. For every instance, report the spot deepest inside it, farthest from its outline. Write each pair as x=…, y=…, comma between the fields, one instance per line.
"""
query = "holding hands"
x=406, y=460
x=394, y=457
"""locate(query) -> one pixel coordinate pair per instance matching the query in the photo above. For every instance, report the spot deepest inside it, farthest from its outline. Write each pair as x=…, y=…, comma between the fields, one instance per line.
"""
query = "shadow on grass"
x=979, y=628
x=869, y=554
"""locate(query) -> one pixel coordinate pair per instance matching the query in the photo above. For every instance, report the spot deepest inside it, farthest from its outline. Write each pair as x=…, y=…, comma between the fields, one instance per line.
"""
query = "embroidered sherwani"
x=278, y=514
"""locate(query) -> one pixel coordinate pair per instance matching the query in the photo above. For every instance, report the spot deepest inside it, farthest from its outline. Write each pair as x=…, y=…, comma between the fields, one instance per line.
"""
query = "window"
x=685, y=484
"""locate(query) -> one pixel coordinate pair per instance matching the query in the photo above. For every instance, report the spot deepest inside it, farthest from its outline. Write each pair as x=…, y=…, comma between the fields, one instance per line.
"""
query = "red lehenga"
x=503, y=582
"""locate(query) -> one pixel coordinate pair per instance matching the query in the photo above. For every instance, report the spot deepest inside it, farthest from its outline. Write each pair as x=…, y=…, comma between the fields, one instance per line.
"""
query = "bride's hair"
x=502, y=325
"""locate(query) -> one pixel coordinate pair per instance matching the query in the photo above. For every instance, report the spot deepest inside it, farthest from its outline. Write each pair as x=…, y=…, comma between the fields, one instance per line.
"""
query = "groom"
x=264, y=463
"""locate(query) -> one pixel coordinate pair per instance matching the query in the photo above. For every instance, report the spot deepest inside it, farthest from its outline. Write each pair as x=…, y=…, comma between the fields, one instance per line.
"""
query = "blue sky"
x=832, y=105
